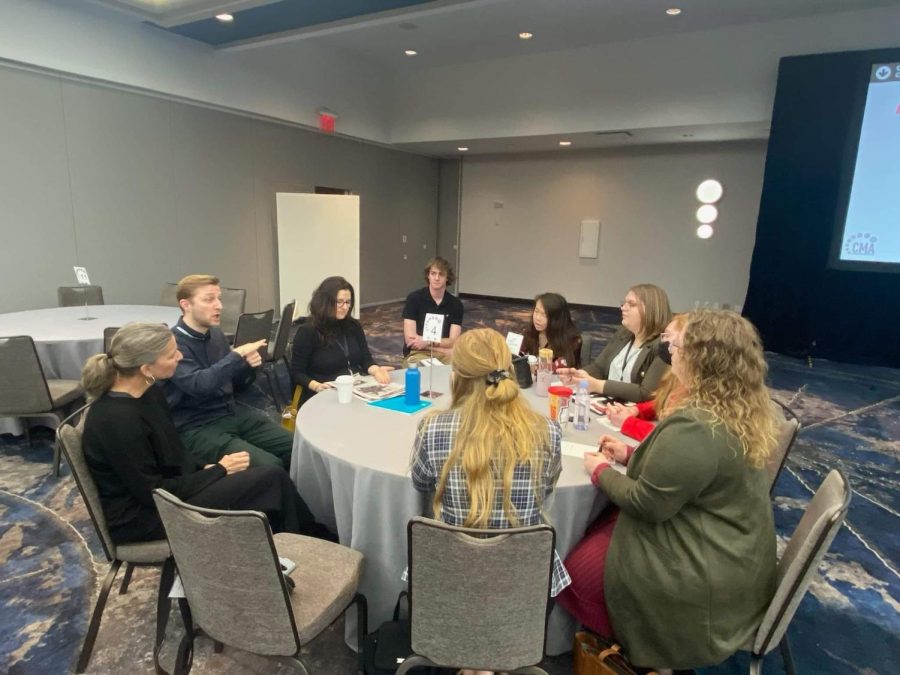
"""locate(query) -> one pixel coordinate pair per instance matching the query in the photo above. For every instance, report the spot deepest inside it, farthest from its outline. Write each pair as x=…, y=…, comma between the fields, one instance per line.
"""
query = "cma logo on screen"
x=861, y=244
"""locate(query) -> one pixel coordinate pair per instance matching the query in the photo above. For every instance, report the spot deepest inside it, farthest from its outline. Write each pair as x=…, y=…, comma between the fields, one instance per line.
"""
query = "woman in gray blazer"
x=629, y=368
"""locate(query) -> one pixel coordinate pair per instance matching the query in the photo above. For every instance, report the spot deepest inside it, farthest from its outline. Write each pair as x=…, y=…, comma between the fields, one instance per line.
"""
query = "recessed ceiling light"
x=410, y=52
x=525, y=35
x=463, y=148
x=565, y=144
x=225, y=18
x=673, y=11
x=705, y=231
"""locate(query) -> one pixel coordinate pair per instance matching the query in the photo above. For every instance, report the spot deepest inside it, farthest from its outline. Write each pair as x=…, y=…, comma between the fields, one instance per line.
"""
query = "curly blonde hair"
x=498, y=429
x=725, y=376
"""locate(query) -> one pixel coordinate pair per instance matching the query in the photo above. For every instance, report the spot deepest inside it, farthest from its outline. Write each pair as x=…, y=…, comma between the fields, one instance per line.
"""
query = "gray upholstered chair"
x=235, y=590
x=153, y=553
x=77, y=296
x=798, y=565
x=788, y=428
x=26, y=392
x=278, y=351
x=233, y=302
x=494, y=620
x=168, y=297
x=254, y=326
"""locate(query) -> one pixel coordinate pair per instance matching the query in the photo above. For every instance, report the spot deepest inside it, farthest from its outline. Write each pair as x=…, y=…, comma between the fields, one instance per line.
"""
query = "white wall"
x=645, y=202
x=80, y=38
x=712, y=77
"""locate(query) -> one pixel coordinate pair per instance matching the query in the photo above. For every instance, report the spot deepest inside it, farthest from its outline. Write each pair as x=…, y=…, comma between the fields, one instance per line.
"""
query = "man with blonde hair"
x=201, y=392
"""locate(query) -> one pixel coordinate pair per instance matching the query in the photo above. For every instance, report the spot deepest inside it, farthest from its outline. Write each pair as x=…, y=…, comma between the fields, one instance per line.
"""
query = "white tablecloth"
x=351, y=464
x=64, y=338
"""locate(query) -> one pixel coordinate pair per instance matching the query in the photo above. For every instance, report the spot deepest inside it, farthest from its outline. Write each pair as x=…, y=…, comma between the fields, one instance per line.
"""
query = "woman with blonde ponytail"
x=131, y=447
x=491, y=460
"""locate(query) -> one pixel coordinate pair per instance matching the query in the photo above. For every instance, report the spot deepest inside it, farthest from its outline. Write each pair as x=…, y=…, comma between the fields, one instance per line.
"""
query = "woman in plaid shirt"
x=490, y=459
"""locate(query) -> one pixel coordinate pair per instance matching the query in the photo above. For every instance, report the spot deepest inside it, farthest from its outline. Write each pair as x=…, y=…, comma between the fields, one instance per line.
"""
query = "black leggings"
x=262, y=488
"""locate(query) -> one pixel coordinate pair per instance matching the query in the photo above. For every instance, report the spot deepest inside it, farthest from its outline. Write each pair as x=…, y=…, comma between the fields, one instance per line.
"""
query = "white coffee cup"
x=344, y=385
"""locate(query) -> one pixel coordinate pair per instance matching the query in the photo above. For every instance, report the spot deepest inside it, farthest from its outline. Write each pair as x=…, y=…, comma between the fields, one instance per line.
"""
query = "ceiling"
x=446, y=32
x=449, y=32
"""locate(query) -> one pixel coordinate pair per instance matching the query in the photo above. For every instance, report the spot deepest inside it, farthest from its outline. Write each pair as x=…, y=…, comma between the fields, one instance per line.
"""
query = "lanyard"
x=345, y=347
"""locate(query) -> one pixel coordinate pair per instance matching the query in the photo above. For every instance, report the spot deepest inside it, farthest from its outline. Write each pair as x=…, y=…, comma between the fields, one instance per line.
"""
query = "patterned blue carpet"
x=51, y=562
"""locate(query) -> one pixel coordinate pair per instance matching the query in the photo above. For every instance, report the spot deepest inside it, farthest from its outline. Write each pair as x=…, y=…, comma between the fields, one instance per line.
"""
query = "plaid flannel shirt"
x=434, y=442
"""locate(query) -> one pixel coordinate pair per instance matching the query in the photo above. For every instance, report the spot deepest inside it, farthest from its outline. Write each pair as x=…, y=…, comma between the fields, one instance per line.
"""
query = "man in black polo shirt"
x=433, y=299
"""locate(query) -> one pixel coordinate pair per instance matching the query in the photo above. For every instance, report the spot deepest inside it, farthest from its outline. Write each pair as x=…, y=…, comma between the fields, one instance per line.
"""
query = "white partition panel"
x=318, y=237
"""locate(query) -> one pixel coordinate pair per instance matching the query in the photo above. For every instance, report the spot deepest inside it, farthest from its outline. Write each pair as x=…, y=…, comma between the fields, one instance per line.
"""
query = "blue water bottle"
x=413, y=385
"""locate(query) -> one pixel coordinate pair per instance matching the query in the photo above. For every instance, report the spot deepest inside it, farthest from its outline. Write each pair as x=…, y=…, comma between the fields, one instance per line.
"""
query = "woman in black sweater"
x=331, y=342
x=131, y=447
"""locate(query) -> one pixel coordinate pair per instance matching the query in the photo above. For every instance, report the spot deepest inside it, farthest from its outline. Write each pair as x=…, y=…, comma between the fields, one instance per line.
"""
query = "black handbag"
x=523, y=371
x=389, y=646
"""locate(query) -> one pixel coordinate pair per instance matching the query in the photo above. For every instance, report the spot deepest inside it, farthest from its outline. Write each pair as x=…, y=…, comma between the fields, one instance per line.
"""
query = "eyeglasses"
x=343, y=303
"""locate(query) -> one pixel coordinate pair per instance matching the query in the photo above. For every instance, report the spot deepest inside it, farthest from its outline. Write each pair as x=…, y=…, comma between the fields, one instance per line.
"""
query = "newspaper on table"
x=367, y=388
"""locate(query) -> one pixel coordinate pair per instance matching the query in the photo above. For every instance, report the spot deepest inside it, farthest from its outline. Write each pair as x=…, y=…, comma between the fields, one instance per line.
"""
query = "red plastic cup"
x=559, y=399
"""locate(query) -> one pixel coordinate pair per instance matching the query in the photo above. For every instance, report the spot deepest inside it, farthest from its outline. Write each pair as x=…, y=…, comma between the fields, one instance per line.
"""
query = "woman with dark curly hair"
x=331, y=342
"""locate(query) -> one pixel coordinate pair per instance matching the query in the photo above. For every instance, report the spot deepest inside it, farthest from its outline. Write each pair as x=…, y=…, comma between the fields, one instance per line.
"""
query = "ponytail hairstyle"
x=498, y=428
x=134, y=345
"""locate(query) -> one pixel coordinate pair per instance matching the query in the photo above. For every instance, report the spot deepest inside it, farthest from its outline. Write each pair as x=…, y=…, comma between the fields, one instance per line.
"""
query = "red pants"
x=585, y=598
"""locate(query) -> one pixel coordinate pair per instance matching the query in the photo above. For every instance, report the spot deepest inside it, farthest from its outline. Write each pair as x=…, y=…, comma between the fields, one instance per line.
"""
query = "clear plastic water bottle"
x=413, y=385
x=582, y=406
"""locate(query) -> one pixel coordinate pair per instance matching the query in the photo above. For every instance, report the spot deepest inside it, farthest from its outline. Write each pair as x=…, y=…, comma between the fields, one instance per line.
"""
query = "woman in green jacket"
x=690, y=566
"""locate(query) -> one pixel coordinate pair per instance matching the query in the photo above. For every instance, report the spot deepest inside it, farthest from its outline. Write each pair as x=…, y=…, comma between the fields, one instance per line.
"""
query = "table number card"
x=433, y=329
x=81, y=276
x=514, y=342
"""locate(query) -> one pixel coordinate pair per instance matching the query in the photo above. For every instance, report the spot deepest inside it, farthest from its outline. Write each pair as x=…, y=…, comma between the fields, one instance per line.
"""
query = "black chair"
x=252, y=327
x=788, y=428
x=278, y=352
x=151, y=553
x=78, y=296
x=26, y=392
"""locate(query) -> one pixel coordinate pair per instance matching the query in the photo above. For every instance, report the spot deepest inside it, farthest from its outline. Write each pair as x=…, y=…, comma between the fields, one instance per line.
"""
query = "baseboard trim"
x=381, y=302
x=529, y=301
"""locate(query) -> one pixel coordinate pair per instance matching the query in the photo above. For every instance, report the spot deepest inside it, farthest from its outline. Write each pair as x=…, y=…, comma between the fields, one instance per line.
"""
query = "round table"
x=351, y=464
x=64, y=338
